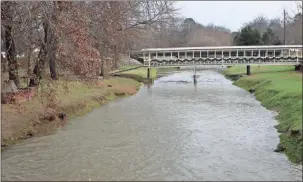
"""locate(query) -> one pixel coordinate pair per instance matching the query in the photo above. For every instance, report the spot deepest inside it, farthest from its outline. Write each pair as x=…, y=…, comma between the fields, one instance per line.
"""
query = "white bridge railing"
x=277, y=54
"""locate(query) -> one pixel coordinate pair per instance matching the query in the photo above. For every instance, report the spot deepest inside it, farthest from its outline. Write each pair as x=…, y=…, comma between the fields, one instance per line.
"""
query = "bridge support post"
x=148, y=69
x=148, y=73
x=222, y=58
x=274, y=56
x=297, y=55
x=195, y=76
x=248, y=70
x=195, y=80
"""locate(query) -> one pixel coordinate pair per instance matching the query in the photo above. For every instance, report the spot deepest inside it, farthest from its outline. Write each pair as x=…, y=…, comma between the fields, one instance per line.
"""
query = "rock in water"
x=252, y=90
x=279, y=148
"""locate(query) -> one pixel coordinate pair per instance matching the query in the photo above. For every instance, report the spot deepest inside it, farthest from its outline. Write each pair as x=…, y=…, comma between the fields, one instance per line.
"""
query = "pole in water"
x=148, y=69
x=194, y=76
x=148, y=73
x=248, y=69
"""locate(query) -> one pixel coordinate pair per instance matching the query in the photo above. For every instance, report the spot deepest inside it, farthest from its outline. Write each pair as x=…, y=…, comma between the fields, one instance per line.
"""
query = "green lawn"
x=125, y=67
x=142, y=72
x=258, y=69
x=278, y=88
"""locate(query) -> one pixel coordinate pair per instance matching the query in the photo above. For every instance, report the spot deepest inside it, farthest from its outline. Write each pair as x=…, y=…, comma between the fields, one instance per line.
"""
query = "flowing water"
x=172, y=130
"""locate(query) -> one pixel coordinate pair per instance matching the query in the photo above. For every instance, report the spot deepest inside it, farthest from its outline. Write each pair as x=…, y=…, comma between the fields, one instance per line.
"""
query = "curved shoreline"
x=27, y=124
x=268, y=88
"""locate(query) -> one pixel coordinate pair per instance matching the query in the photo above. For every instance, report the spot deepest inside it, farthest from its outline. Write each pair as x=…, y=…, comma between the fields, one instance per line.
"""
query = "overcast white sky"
x=233, y=14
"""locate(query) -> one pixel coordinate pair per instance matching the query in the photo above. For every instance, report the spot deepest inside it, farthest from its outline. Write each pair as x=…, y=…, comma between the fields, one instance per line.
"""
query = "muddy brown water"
x=172, y=130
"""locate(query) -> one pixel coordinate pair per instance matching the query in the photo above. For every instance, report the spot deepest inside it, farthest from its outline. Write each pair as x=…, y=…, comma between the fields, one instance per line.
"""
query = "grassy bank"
x=167, y=69
x=125, y=68
x=139, y=74
x=27, y=119
x=278, y=88
x=142, y=72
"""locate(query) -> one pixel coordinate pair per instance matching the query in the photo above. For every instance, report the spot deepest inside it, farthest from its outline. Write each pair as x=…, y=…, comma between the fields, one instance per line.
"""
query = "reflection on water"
x=171, y=130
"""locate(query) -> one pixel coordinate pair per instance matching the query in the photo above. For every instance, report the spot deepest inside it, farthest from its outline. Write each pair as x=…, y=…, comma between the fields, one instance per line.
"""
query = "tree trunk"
x=51, y=52
x=29, y=55
x=116, y=63
x=116, y=59
x=38, y=70
x=3, y=64
x=104, y=71
x=11, y=56
x=103, y=66
x=9, y=43
x=52, y=44
x=52, y=66
x=47, y=53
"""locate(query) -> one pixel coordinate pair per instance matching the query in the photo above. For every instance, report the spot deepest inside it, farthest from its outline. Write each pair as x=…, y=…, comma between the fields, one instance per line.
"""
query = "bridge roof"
x=222, y=47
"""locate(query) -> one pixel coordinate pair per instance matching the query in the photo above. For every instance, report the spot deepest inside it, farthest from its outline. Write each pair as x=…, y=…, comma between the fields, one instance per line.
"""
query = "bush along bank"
x=29, y=118
x=280, y=91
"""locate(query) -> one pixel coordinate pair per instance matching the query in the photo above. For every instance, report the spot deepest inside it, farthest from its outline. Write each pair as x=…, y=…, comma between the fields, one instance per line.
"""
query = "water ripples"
x=172, y=131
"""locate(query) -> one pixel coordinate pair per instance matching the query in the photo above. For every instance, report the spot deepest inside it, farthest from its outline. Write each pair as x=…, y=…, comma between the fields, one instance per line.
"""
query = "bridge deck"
x=278, y=54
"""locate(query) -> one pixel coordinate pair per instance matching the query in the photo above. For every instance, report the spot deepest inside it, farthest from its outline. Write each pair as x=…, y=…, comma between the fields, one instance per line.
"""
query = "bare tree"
x=116, y=24
x=81, y=36
x=49, y=12
x=7, y=16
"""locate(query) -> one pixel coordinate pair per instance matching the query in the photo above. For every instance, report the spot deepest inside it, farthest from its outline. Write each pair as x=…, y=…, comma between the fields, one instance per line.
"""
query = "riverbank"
x=29, y=118
x=278, y=88
x=139, y=74
x=165, y=122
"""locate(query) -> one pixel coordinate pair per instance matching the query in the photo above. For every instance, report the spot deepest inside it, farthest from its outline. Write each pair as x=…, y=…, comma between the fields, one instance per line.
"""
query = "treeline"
x=251, y=36
x=263, y=31
x=183, y=32
x=88, y=38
